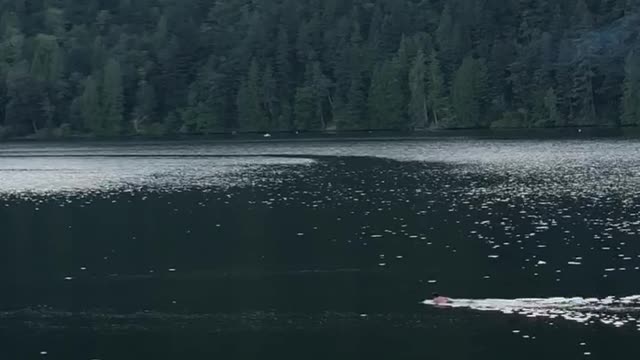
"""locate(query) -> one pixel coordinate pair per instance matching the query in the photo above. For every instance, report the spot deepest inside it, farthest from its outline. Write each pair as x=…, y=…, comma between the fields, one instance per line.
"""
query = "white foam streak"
x=609, y=311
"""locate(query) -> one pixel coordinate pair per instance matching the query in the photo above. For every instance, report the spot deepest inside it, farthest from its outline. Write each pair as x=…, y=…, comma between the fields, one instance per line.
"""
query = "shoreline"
x=354, y=135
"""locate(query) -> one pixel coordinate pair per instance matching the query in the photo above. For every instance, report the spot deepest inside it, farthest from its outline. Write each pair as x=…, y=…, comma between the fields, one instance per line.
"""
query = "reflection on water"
x=312, y=239
x=81, y=175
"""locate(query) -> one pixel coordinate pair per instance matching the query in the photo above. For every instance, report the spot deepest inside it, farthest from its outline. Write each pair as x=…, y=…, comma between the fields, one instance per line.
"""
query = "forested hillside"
x=124, y=67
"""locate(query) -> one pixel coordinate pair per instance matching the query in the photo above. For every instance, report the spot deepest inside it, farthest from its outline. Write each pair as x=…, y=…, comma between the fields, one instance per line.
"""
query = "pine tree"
x=145, y=109
x=631, y=90
x=377, y=98
x=112, y=98
x=444, y=36
x=251, y=116
x=305, y=108
x=269, y=95
x=23, y=110
x=354, y=117
x=90, y=106
x=418, y=112
x=551, y=106
x=481, y=88
x=197, y=56
x=322, y=93
x=283, y=67
x=583, y=109
x=47, y=59
x=436, y=95
x=465, y=97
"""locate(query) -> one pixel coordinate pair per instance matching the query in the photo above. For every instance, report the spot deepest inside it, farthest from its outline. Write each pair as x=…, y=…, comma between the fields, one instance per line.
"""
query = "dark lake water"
x=320, y=250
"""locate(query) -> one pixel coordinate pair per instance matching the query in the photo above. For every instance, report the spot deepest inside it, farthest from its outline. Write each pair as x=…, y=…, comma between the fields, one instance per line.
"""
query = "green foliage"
x=511, y=120
x=583, y=110
x=387, y=107
x=89, y=106
x=468, y=93
x=145, y=109
x=47, y=59
x=436, y=96
x=551, y=107
x=631, y=86
x=418, y=112
x=305, y=108
x=112, y=99
x=164, y=67
x=251, y=116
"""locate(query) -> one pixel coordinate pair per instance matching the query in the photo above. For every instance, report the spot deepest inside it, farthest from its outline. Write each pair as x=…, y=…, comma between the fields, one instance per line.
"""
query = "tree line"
x=155, y=67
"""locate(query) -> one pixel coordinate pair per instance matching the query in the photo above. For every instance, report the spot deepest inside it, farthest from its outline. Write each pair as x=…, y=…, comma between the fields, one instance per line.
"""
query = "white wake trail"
x=609, y=311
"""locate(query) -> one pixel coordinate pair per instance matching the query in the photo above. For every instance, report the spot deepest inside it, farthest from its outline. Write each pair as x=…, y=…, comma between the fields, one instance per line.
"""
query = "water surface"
x=317, y=249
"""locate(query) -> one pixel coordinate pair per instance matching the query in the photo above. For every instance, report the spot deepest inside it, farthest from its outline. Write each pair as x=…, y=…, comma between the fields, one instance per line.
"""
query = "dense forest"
x=154, y=67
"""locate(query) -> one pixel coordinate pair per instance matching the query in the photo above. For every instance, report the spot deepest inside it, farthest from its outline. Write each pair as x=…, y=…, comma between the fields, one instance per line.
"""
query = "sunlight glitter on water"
x=549, y=215
x=78, y=175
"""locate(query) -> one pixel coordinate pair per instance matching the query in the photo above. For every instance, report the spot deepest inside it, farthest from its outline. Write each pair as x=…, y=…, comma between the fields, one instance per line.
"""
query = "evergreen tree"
x=465, y=97
x=444, y=35
x=418, y=112
x=551, y=107
x=145, y=109
x=305, y=108
x=283, y=71
x=112, y=97
x=583, y=109
x=249, y=101
x=205, y=67
x=47, y=59
x=269, y=95
x=386, y=104
x=25, y=95
x=377, y=98
x=321, y=86
x=90, y=106
x=354, y=116
x=437, y=99
x=631, y=90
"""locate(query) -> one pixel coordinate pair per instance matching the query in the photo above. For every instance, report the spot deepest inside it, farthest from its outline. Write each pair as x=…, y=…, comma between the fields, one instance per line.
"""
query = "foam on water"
x=611, y=310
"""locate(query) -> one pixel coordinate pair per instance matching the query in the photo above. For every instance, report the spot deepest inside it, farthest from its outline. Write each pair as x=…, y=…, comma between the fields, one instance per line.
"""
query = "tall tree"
x=145, y=108
x=466, y=95
x=251, y=116
x=270, y=99
x=386, y=102
x=47, y=60
x=418, y=112
x=437, y=98
x=631, y=90
x=305, y=108
x=189, y=66
x=583, y=109
x=112, y=98
x=90, y=106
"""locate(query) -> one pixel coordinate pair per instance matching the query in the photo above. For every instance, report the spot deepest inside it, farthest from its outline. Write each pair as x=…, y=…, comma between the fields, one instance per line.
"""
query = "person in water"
x=440, y=300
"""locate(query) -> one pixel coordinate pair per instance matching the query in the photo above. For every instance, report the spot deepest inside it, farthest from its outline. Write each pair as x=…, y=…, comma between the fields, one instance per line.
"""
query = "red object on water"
x=441, y=300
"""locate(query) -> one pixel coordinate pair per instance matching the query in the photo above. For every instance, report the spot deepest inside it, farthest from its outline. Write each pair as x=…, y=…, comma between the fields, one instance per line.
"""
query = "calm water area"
x=320, y=250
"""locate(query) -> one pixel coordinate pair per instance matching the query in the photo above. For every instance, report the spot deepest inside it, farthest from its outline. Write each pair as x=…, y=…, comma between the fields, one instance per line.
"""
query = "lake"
x=320, y=250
